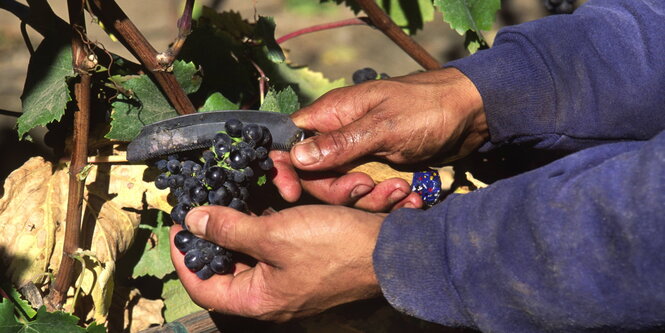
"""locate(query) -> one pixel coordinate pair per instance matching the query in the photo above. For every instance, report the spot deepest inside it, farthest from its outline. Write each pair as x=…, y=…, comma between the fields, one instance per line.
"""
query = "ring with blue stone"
x=428, y=184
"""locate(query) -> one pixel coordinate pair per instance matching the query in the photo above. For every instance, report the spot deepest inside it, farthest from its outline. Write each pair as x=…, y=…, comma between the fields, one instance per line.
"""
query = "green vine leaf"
x=46, y=91
x=285, y=101
x=21, y=304
x=147, y=104
x=217, y=101
x=156, y=258
x=463, y=15
x=265, y=30
x=308, y=84
x=177, y=302
x=44, y=322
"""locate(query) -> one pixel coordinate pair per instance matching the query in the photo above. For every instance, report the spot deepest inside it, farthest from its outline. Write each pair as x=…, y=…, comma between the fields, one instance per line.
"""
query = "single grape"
x=199, y=194
x=215, y=176
x=238, y=204
x=232, y=189
x=208, y=156
x=173, y=166
x=244, y=194
x=176, y=181
x=249, y=172
x=162, y=181
x=205, y=273
x=193, y=260
x=222, y=138
x=365, y=74
x=233, y=128
x=179, y=212
x=237, y=160
x=252, y=133
x=266, y=164
x=184, y=240
x=219, y=197
x=161, y=165
x=249, y=153
x=221, y=264
x=267, y=137
x=187, y=166
x=222, y=148
x=185, y=198
x=261, y=153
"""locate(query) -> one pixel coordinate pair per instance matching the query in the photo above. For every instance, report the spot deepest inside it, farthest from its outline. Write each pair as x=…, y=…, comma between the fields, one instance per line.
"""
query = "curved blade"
x=196, y=131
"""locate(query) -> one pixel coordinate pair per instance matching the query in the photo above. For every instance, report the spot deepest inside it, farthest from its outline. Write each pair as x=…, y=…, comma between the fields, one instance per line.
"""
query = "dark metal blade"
x=196, y=131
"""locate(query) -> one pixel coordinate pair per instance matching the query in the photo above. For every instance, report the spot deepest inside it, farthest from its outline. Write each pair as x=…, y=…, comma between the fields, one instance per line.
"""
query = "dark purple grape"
x=249, y=172
x=261, y=153
x=172, y=157
x=252, y=133
x=193, y=260
x=205, y=273
x=207, y=253
x=249, y=153
x=233, y=128
x=184, y=240
x=365, y=74
x=176, y=181
x=199, y=194
x=219, y=197
x=232, y=189
x=179, y=212
x=238, y=176
x=222, y=138
x=218, y=250
x=267, y=138
x=237, y=160
x=215, y=176
x=266, y=164
x=222, y=148
x=221, y=264
x=162, y=181
x=238, y=204
x=190, y=183
x=187, y=167
x=185, y=198
x=173, y=166
x=161, y=165
x=244, y=194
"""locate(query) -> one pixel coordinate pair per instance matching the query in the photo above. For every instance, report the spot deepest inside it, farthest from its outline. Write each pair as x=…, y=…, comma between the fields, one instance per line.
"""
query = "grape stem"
x=129, y=35
x=384, y=23
x=263, y=79
x=166, y=58
x=82, y=90
x=325, y=26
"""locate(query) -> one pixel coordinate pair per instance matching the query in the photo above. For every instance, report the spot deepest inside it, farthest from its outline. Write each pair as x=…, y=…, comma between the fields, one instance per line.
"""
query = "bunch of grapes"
x=222, y=176
x=367, y=74
x=560, y=6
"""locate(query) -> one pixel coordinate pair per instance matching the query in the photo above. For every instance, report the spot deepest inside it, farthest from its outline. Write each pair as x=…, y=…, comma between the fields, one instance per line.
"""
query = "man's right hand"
x=436, y=114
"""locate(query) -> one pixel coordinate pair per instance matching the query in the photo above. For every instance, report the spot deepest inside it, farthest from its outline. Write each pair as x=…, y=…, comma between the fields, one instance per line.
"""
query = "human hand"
x=437, y=114
x=310, y=258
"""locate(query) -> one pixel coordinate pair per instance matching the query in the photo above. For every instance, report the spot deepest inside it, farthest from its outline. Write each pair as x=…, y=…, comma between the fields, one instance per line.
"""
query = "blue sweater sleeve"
x=568, y=82
x=576, y=245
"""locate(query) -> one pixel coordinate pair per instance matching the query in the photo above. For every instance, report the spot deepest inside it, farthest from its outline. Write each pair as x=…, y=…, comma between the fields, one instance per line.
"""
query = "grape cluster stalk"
x=221, y=175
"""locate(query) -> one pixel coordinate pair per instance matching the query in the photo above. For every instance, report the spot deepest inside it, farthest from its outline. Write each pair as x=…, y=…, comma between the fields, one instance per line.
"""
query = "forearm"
x=568, y=82
x=574, y=245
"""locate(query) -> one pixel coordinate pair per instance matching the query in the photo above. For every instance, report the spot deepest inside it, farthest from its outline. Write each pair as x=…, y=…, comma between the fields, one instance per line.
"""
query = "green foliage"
x=46, y=90
x=474, y=15
x=265, y=30
x=156, y=258
x=146, y=103
x=177, y=303
x=285, y=101
x=21, y=305
x=308, y=84
x=43, y=322
x=217, y=101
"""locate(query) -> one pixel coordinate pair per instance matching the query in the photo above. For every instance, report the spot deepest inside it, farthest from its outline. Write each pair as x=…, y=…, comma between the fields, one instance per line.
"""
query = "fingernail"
x=396, y=196
x=360, y=190
x=307, y=152
x=197, y=222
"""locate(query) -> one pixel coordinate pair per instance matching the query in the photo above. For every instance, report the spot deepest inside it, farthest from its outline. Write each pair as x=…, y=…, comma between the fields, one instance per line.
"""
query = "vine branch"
x=129, y=35
x=81, y=62
x=167, y=57
x=382, y=21
x=324, y=26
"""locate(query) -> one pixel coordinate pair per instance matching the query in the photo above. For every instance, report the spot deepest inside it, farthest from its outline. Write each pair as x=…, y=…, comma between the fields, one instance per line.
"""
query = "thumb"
x=339, y=147
x=228, y=228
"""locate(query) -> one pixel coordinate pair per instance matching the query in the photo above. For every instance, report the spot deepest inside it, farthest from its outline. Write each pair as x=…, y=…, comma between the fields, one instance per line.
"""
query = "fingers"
x=285, y=179
x=229, y=228
x=339, y=147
